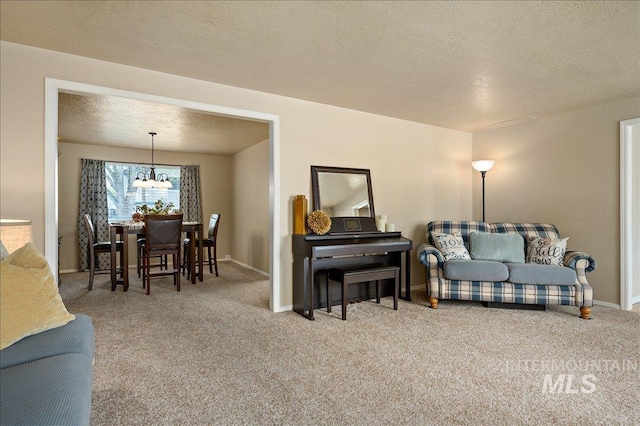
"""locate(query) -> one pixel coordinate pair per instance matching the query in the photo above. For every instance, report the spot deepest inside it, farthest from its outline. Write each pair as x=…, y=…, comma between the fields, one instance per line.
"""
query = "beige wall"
x=215, y=176
x=563, y=170
x=419, y=172
x=251, y=207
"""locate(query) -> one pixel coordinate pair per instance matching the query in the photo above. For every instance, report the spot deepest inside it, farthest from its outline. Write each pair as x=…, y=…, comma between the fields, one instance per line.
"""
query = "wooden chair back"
x=163, y=232
x=214, y=221
x=90, y=230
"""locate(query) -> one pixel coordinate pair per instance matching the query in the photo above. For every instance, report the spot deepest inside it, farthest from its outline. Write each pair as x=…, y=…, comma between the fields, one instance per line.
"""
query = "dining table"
x=119, y=231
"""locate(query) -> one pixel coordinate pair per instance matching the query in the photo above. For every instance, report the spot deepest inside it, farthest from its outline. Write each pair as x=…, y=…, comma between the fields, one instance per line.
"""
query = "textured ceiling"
x=460, y=65
x=121, y=122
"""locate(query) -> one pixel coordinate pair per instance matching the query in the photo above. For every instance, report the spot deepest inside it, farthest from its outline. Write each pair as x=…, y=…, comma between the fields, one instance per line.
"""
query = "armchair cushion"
x=77, y=336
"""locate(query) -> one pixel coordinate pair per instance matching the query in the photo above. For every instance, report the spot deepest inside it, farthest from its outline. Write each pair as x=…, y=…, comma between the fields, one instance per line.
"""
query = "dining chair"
x=210, y=243
x=162, y=238
x=96, y=248
x=140, y=250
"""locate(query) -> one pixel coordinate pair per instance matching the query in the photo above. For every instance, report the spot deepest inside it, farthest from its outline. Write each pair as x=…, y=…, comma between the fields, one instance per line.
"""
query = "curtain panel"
x=93, y=201
x=190, y=193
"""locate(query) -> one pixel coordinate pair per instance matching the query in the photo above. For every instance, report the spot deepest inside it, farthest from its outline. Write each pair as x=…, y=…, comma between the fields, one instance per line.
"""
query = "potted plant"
x=159, y=207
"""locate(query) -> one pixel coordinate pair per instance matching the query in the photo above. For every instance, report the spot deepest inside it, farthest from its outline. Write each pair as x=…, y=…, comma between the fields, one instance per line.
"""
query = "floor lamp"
x=483, y=166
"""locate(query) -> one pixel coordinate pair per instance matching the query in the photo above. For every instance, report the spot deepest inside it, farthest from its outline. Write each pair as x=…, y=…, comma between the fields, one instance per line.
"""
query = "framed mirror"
x=346, y=196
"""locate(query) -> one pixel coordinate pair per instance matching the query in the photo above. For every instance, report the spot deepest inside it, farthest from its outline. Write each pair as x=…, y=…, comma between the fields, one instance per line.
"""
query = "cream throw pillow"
x=546, y=251
x=451, y=245
x=29, y=298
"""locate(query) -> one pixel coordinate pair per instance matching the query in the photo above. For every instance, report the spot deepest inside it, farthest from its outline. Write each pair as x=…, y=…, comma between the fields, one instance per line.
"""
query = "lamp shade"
x=483, y=165
x=164, y=184
x=15, y=233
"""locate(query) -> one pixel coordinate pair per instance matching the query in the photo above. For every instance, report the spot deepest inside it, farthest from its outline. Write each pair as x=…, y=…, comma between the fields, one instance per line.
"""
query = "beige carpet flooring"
x=214, y=354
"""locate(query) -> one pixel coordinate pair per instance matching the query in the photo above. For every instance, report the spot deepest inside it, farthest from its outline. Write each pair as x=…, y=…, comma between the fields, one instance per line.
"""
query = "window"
x=122, y=197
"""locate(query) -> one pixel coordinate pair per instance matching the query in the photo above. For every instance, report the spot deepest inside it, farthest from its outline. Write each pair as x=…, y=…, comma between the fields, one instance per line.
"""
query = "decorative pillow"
x=498, y=247
x=451, y=246
x=546, y=251
x=29, y=298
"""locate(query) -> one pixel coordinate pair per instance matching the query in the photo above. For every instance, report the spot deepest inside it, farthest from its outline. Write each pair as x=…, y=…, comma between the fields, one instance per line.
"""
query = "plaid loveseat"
x=542, y=289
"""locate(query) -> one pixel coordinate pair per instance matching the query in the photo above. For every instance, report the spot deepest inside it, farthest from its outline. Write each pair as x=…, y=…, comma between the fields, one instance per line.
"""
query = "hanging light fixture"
x=144, y=180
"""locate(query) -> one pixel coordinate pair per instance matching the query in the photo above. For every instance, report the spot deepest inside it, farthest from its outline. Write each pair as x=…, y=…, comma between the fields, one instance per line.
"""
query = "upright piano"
x=313, y=254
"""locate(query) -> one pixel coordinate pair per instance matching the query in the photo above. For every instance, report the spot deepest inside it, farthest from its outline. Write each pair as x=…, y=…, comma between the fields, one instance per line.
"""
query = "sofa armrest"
x=571, y=259
x=582, y=263
x=428, y=255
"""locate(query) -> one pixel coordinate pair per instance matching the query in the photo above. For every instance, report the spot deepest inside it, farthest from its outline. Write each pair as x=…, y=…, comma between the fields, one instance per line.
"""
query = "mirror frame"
x=315, y=189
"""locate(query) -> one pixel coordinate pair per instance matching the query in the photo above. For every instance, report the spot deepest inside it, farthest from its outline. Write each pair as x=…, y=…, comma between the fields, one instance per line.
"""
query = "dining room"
x=230, y=157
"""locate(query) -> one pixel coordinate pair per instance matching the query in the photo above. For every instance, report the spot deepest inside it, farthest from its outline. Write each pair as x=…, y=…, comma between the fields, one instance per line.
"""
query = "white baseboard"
x=635, y=299
x=70, y=271
x=607, y=304
x=245, y=265
x=285, y=308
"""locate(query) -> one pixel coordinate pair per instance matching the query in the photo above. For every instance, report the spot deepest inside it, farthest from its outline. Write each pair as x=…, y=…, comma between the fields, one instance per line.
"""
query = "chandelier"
x=149, y=180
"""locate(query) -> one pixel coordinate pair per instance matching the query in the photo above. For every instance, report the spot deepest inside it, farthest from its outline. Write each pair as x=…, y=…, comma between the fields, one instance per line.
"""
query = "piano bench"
x=361, y=274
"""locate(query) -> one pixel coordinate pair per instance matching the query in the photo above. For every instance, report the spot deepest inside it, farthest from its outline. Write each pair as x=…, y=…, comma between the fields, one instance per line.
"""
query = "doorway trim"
x=627, y=246
x=54, y=86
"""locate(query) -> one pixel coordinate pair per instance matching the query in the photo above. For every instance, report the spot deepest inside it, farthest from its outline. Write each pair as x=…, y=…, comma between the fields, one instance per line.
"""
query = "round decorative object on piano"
x=319, y=222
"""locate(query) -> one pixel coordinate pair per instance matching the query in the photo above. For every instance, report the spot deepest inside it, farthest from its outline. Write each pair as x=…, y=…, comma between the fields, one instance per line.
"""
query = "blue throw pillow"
x=498, y=247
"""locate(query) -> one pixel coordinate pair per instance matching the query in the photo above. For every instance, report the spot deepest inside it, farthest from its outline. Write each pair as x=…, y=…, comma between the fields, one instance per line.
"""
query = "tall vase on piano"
x=300, y=210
